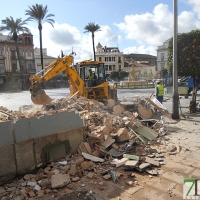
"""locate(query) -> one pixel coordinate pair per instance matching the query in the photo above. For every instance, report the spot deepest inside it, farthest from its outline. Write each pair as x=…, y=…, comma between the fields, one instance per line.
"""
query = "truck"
x=97, y=89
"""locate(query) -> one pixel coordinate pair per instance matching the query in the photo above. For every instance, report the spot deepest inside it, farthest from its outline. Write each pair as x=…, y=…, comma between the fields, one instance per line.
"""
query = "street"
x=13, y=100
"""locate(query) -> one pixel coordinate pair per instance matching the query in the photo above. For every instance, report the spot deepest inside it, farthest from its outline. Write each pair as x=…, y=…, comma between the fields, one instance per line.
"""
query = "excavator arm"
x=38, y=96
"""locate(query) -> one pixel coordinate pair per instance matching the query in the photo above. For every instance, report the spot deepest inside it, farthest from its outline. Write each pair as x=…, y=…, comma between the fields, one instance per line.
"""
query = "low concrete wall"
x=24, y=143
x=181, y=90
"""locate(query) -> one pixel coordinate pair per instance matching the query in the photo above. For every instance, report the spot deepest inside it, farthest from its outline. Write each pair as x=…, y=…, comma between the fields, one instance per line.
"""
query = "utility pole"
x=175, y=106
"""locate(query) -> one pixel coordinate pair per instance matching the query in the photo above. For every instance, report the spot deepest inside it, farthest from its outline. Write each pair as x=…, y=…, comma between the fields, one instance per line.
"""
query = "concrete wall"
x=24, y=143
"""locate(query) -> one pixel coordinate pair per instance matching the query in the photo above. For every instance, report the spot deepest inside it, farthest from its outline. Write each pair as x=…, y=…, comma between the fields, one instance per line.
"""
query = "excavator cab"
x=96, y=68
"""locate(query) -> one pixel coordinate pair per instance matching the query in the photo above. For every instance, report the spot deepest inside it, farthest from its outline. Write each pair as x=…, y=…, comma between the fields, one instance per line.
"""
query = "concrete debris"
x=116, y=139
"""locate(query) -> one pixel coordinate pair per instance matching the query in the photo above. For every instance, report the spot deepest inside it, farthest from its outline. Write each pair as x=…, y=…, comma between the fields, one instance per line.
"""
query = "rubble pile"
x=119, y=144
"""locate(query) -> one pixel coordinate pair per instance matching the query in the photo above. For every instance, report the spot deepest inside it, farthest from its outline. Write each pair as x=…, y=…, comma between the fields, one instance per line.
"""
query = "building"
x=10, y=69
x=144, y=63
x=162, y=57
x=46, y=59
x=111, y=56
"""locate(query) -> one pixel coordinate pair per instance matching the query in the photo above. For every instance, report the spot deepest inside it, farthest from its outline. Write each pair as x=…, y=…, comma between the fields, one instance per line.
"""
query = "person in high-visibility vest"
x=91, y=75
x=159, y=92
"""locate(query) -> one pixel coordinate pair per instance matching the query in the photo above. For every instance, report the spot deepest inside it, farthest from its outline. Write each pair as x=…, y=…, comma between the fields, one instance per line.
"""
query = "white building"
x=162, y=57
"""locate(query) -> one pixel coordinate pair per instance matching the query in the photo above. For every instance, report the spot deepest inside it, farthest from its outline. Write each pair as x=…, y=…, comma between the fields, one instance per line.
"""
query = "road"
x=14, y=100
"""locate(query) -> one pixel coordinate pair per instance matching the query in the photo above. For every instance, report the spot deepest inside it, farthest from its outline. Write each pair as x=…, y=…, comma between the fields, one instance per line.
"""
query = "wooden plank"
x=158, y=108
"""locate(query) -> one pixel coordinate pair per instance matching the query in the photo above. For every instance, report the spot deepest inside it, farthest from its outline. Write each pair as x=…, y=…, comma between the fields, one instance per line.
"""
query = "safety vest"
x=91, y=76
x=160, y=90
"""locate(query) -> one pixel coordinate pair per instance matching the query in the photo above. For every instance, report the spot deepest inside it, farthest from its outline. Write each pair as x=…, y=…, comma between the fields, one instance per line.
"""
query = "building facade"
x=111, y=56
x=10, y=69
x=46, y=59
x=162, y=57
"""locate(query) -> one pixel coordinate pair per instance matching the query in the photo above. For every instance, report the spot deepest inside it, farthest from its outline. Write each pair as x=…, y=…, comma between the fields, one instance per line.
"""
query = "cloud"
x=66, y=37
x=150, y=30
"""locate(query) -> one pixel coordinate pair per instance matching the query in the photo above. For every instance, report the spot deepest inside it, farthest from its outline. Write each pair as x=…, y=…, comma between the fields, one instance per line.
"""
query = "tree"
x=15, y=27
x=123, y=74
x=39, y=14
x=188, y=59
x=114, y=75
x=163, y=73
x=92, y=28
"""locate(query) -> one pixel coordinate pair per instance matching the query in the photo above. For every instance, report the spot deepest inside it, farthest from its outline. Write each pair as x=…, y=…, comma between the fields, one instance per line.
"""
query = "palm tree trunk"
x=41, y=52
x=19, y=61
x=93, y=46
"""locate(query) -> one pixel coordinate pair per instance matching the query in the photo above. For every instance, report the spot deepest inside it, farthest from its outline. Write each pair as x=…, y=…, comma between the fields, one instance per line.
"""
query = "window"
x=119, y=60
x=110, y=68
x=119, y=67
x=28, y=53
x=145, y=72
x=162, y=66
x=46, y=63
x=113, y=67
x=109, y=58
x=2, y=69
x=20, y=52
x=1, y=52
x=38, y=64
x=162, y=56
x=100, y=59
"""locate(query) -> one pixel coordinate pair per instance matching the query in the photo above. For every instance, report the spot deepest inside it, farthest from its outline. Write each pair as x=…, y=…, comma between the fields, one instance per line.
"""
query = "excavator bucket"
x=40, y=97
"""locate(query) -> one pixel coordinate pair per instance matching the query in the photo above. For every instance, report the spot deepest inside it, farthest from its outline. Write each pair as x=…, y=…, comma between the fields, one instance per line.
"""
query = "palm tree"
x=39, y=14
x=15, y=27
x=92, y=28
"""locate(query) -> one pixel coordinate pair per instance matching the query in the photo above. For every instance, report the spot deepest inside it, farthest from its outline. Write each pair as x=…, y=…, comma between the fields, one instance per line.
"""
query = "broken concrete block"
x=108, y=142
x=84, y=147
x=107, y=177
x=93, y=158
x=90, y=175
x=76, y=179
x=144, y=166
x=130, y=164
x=86, y=164
x=59, y=180
x=152, y=162
x=130, y=183
x=118, y=109
x=152, y=172
x=45, y=183
x=72, y=170
x=122, y=135
x=111, y=103
x=118, y=163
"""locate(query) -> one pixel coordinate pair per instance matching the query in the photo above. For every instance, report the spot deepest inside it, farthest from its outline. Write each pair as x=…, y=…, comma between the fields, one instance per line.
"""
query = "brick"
x=122, y=135
x=59, y=180
x=86, y=164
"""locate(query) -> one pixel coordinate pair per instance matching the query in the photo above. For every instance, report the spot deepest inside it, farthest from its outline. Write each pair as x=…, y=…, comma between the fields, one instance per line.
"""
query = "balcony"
x=2, y=57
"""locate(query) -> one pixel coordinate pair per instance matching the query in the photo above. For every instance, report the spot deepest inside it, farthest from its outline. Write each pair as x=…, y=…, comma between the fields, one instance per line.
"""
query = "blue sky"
x=135, y=26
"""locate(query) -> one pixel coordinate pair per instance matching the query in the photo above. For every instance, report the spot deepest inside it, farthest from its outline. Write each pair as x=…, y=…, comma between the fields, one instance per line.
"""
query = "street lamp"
x=175, y=106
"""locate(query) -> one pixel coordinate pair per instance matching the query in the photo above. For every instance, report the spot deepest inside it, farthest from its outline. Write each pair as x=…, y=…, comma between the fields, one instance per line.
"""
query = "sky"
x=134, y=26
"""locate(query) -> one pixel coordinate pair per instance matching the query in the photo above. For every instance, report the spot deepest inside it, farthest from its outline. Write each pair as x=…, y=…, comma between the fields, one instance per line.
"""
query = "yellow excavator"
x=80, y=84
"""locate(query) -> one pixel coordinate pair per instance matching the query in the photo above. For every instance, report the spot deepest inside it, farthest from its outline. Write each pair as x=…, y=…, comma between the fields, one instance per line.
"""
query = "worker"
x=159, y=92
x=91, y=75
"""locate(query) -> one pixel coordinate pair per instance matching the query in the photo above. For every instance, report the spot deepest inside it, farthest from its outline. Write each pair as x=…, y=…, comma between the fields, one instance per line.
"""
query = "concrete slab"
x=6, y=134
x=25, y=157
x=7, y=160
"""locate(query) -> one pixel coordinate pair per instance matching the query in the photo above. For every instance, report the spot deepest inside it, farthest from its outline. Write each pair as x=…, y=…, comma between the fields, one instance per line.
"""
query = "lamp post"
x=175, y=105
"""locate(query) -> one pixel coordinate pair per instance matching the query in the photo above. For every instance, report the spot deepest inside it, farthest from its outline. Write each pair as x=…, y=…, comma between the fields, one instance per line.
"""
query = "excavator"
x=80, y=85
